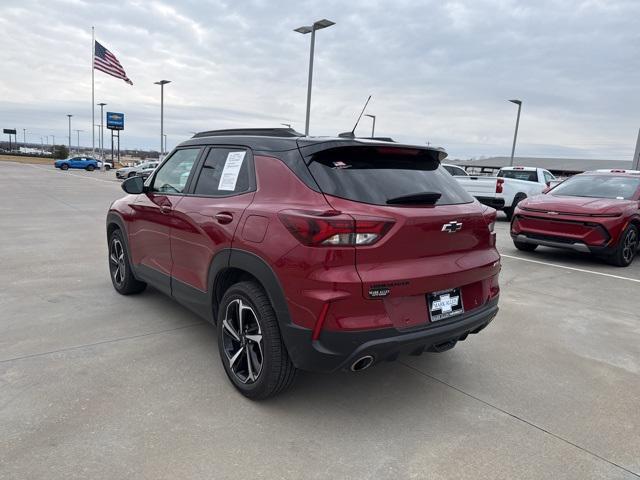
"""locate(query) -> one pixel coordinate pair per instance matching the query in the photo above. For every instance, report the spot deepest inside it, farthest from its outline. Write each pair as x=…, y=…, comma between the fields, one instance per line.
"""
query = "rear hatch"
x=439, y=237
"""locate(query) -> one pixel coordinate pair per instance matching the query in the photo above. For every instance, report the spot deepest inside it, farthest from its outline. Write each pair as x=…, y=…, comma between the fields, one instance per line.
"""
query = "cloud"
x=439, y=71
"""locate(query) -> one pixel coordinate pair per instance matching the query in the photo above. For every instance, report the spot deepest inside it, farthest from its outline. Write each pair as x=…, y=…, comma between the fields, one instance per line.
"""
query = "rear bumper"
x=339, y=350
x=493, y=202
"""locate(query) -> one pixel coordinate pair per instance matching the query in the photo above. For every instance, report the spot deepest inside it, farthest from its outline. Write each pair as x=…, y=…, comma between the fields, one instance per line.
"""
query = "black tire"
x=131, y=174
x=627, y=247
x=525, y=247
x=517, y=199
x=120, y=266
x=268, y=355
x=64, y=166
x=107, y=168
x=90, y=168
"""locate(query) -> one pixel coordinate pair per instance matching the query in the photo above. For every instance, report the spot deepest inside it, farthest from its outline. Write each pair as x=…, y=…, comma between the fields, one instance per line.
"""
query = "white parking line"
x=572, y=268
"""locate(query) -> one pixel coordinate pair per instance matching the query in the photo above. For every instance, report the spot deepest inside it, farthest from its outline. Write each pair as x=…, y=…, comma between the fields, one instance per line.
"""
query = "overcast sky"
x=439, y=71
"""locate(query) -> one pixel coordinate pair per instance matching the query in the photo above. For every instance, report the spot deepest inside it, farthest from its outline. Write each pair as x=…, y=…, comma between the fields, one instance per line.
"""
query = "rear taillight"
x=490, y=215
x=333, y=228
x=499, y=184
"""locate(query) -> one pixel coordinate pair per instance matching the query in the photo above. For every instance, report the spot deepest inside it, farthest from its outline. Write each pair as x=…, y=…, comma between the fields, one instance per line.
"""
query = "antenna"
x=351, y=134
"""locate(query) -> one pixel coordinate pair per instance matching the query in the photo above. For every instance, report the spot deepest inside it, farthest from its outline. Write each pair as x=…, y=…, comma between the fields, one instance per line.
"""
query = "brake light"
x=490, y=215
x=333, y=229
x=499, y=184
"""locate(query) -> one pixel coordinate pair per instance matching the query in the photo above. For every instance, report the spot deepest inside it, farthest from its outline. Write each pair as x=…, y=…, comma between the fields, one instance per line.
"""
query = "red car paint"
x=327, y=288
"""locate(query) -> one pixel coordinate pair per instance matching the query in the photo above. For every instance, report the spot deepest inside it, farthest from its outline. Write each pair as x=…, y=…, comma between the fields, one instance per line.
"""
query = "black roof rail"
x=254, y=132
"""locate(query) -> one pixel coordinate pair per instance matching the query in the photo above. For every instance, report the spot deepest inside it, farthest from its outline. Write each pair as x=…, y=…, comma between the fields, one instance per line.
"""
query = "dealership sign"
x=115, y=121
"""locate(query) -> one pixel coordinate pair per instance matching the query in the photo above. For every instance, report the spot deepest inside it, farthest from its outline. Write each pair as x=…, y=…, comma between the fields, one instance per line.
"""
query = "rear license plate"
x=445, y=304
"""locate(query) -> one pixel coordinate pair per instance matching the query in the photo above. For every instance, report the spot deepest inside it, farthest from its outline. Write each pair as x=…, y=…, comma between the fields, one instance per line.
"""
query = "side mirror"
x=133, y=185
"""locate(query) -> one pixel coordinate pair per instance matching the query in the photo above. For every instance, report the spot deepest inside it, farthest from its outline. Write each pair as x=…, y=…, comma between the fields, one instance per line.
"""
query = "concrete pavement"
x=96, y=385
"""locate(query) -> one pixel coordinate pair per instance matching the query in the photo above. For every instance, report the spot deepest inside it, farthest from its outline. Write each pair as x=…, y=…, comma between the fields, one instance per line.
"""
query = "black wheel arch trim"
x=114, y=218
x=255, y=266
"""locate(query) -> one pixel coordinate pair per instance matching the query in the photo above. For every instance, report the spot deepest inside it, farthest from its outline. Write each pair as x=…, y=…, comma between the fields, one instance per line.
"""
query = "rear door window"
x=225, y=171
x=377, y=174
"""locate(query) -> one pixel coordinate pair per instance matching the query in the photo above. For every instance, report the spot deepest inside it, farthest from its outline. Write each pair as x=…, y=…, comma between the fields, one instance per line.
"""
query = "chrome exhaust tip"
x=362, y=363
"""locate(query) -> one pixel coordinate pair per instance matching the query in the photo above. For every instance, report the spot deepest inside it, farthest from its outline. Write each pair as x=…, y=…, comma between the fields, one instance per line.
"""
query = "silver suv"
x=127, y=172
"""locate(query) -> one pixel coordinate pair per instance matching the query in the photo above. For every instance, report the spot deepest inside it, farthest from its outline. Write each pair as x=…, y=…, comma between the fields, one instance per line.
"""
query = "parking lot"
x=97, y=385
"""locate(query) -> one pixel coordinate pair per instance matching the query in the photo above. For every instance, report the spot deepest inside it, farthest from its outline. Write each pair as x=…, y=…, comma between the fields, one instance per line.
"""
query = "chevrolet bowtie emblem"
x=452, y=227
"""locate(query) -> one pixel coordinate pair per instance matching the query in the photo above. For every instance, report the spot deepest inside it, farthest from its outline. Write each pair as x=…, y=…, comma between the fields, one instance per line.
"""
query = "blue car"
x=86, y=163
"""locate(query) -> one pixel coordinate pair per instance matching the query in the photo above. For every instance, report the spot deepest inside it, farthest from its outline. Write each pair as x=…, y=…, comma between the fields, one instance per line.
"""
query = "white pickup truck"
x=512, y=185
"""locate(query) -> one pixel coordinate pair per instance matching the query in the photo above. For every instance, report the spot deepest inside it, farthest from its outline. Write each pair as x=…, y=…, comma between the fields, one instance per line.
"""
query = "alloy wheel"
x=117, y=261
x=242, y=341
x=630, y=245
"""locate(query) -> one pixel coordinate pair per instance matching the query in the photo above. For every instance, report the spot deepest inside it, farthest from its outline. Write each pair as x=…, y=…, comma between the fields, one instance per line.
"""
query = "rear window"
x=598, y=186
x=526, y=175
x=377, y=174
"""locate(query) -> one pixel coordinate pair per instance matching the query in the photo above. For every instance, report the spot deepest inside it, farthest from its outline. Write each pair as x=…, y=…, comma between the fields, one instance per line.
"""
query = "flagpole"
x=93, y=99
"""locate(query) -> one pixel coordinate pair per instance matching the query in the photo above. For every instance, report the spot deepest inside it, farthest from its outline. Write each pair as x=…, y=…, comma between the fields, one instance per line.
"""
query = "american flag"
x=106, y=62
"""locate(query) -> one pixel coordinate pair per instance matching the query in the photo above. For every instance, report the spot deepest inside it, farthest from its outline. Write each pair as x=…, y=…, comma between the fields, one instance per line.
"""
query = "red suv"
x=596, y=212
x=309, y=253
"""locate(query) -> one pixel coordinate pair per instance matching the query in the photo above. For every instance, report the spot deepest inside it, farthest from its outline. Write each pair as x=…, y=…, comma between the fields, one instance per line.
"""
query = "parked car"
x=146, y=172
x=86, y=163
x=455, y=170
x=107, y=165
x=511, y=186
x=309, y=253
x=127, y=172
x=596, y=212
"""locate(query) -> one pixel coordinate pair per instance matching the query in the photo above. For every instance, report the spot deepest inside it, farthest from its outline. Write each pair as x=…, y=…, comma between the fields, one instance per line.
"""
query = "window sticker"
x=231, y=171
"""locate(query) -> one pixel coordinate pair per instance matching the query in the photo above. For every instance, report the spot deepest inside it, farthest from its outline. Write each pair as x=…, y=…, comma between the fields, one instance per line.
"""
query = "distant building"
x=560, y=167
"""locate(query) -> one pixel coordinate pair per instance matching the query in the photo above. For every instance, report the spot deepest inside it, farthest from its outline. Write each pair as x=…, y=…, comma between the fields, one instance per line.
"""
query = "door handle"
x=224, y=218
x=165, y=208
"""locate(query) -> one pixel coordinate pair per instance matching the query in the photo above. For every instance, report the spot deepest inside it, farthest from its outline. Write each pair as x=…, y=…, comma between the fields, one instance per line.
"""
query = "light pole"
x=373, y=127
x=165, y=142
x=69, y=115
x=24, y=136
x=101, y=137
x=319, y=25
x=162, y=83
x=78, y=133
x=515, y=134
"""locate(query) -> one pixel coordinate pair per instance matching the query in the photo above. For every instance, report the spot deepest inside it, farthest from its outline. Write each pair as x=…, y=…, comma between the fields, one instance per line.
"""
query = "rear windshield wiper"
x=424, y=198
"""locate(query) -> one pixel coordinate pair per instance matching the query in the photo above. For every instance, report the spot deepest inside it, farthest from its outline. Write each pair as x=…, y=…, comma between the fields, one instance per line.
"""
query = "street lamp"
x=165, y=142
x=78, y=133
x=373, y=127
x=101, y=137
x=319, y=25
x=69, y=115
x=24, y=136
x=162, y=83
x=515, y=134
